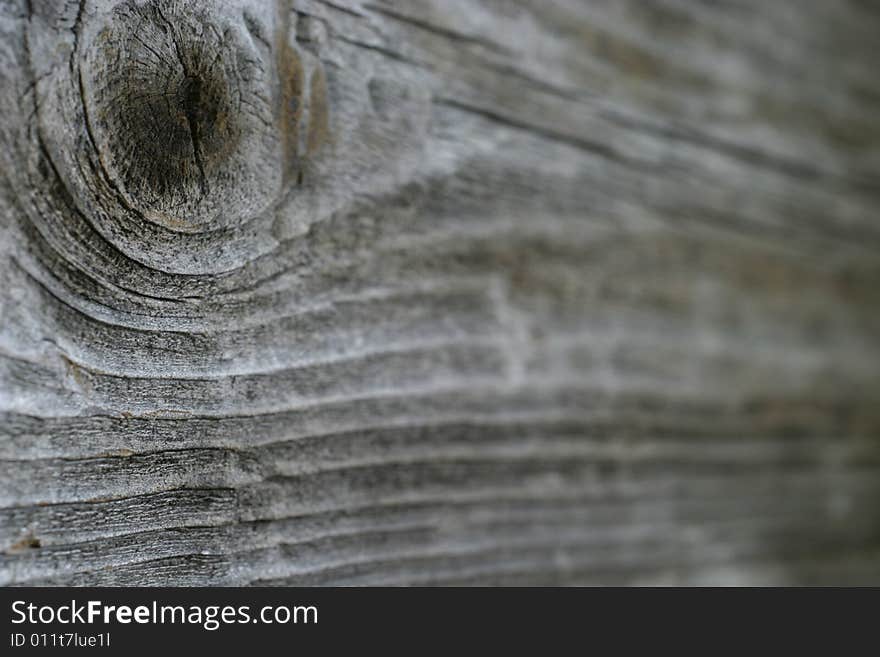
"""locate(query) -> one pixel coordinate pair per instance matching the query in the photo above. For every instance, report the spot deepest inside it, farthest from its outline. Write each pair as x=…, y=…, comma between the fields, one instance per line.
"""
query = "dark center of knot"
x=199, y=117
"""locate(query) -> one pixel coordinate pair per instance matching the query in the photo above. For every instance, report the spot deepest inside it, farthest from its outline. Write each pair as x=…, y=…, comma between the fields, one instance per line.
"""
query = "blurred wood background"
x=439, y=292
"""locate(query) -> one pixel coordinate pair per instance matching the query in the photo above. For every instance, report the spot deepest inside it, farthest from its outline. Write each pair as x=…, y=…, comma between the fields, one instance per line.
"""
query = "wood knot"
x=186, y=112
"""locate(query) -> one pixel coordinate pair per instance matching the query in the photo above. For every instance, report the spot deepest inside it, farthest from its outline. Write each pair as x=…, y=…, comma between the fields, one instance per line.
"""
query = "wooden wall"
x=439, y=291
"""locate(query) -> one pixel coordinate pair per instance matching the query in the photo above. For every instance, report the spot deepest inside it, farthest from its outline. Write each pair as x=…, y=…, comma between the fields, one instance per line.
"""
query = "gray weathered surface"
x=562, y=291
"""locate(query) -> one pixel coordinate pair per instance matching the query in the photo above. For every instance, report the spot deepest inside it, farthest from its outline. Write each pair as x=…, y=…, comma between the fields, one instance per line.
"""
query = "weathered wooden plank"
x=362, y=292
